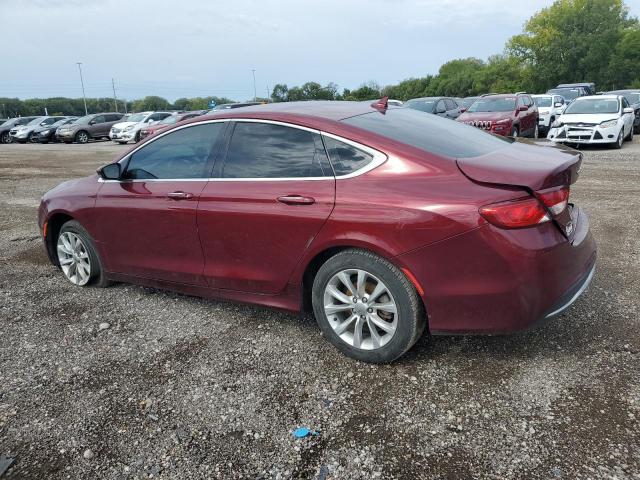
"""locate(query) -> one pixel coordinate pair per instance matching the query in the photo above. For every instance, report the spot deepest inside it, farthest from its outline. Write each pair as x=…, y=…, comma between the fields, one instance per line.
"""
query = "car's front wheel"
x=77, y=256
x=367, y=307
x=82, y=137
x=618, y=143
x=6, y=138
x=536, y=131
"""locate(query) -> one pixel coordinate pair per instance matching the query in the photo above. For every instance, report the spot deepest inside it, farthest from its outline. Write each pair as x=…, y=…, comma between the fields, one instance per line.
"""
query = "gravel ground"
x=131, y=382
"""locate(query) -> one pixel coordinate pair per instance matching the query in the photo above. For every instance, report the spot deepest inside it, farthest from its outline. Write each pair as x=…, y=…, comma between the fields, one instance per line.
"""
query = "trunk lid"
x=535, y=166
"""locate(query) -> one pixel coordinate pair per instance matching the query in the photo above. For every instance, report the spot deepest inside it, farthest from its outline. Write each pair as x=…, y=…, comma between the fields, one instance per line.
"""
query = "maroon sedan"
x=384, y=221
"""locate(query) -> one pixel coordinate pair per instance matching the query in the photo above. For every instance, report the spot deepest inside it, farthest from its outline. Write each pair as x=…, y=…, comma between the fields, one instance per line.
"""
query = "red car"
x=385, y=221
x=166, y=122
x=513, y=115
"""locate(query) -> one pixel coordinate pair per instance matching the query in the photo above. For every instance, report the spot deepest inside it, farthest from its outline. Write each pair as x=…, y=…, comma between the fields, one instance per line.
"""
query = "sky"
x=188, y=48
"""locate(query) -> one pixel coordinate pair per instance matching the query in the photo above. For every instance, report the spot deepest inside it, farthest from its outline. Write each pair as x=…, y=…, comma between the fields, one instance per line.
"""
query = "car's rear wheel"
x=33, y=138
x=6, y=138
x=77, y=256
x=82, y=137
x=367, y=307
x=536, y=131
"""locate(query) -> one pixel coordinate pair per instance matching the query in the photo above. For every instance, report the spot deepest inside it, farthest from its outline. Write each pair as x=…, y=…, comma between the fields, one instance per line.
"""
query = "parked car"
x=94, y=126
x=467, y=102
x=229, y=106
x=47, y=133
x=124, y=132
x=588, y=87
x=595, y=119
x=569, y=93
x=412, y=222
x=550, y=107
x=513, y=115
x=442, y=106
x=24, y=133
x=170, y=120
x=5, y=128
x=633, y=97
x=395, y=103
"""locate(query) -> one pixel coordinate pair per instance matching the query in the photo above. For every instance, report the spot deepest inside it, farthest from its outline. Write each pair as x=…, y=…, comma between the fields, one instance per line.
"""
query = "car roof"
x=319, y=109
x=502, y=95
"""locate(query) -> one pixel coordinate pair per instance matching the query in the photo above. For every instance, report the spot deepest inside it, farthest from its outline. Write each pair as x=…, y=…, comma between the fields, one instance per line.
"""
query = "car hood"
x=123, y=125
x=492, y=116
x=85, y=183
x=588, y=118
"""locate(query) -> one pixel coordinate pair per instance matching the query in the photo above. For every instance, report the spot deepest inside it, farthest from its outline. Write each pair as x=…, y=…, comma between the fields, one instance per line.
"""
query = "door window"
x=345, y=158
x=183, y=153
x=98, y=119
x=451, y=105
x=264, y=150
x=440, y=108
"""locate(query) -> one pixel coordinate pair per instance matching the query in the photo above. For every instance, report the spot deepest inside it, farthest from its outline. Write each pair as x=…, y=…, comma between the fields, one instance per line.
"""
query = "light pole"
x=255, y=94
x=86, y=112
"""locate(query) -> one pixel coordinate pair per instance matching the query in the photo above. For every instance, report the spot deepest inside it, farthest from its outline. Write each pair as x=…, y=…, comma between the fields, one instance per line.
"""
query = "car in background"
x=569, y=93
x=550, y=107
x=229, y=106
x=395, y=103
x=170, y=120
x=129, y=130
x=441, y=106
x=358, y=212
x=47, y=133
x=588, y=87
x=24, y=133
x=466, y=102
x=5, y=128
x=633, y=97
x=94, y=126
x=595, y=119
x=512, y=114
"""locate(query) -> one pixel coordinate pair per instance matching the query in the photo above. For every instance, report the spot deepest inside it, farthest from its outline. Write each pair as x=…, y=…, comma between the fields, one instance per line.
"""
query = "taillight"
x=556, y=199
x=527, y=212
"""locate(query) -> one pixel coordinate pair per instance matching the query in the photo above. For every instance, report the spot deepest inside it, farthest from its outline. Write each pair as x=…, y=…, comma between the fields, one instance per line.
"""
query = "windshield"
x=8, y=122
x=568, y=93
x=60, y=122
x=36, y=121
x=467, y=102
x=169, y=120
x=593, y=106
x=430, y=133
x=85, y=119
x=138, y=117
x=493, y=105
x=542, y=101
x=422, y=105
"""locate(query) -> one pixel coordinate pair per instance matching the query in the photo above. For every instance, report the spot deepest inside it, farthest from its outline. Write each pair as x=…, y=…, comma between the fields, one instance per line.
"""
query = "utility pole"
x=86, y=112
x=255, y=93
x=115, y=99
x=268, y=92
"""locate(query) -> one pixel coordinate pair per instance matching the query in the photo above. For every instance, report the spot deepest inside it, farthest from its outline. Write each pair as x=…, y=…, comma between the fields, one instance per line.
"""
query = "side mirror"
x=92, y=122
x=463, y=109
x=627, y=110
x=557, y=104
x=110, y=172
x=523, y=108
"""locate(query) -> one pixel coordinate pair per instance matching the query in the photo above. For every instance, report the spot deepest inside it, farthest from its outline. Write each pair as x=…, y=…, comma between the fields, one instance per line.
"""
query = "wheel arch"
x=54, y=224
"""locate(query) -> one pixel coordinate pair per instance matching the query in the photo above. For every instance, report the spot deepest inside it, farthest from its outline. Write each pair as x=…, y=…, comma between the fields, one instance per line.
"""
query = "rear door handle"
x=296, y=200
x=180, y=195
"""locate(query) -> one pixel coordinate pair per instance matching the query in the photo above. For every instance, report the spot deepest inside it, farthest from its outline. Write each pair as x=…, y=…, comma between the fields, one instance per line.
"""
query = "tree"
x=151, y=103
x=409, y=88
x=571, y=41
x=367, y=91
x=456, y=78
x=280, y=93
x=624, y=68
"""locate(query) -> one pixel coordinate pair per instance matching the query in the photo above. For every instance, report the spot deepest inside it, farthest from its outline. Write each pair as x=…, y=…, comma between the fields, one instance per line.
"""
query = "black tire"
x=32, y=138
x=81, y=137
x=536, y=130
x=136, y=139
x=629, y=137
x=411, y=317
x=97, y=274
x=5, y=138
x=618, y=143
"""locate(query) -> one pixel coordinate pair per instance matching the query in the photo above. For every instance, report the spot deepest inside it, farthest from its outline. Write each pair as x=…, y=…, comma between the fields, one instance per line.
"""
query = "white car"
x=124, y=132
x=594, y=119
x=550, y=107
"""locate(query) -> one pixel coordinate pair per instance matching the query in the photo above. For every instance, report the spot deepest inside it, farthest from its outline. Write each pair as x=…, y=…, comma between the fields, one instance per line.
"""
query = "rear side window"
x=183, y=153
x=451, y=105
x=264, y=150
x=430, y=133
x=345, y=158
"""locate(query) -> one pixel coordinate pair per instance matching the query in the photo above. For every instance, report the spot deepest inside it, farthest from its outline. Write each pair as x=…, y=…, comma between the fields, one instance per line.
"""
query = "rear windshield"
x=171, y=119
x=422, y=105
x=493, y=105
x=542, y=101
x=138, y=117
x=430, y=133
x=594, y=105
x=567, y=93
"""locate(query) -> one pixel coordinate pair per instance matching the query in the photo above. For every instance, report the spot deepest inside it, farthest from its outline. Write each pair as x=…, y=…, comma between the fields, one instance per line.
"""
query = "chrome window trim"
x=378, y=157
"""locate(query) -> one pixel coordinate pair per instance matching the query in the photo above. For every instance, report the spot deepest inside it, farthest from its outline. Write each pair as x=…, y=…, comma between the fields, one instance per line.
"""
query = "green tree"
x=280, y=93
x=571, y=41
x=456, y=78
x=624, y=69
x=151, y=103
x=367, y=91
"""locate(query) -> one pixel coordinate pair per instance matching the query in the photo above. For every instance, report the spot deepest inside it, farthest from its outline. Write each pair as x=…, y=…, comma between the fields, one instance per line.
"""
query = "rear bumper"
x=492, y=281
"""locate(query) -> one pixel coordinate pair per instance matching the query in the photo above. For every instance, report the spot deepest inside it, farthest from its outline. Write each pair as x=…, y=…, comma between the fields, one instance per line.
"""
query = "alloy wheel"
x=74, y=259
x=536, y=132
x=6, y=137
x=360, y=309
x=83, y=137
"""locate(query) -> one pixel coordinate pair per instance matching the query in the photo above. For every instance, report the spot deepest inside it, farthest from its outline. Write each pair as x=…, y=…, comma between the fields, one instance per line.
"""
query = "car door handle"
x=296, y=200
x=180, y=195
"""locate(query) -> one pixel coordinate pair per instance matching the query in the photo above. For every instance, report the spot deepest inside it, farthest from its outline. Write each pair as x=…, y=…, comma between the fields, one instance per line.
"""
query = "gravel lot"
x=171, y=386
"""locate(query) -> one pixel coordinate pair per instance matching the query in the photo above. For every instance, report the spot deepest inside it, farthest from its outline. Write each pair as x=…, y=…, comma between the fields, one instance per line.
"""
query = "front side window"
x=346, y=158
x=542, y=101
x=98, y=119
x=264, y=150
x=451, y=105
x=183, y=153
